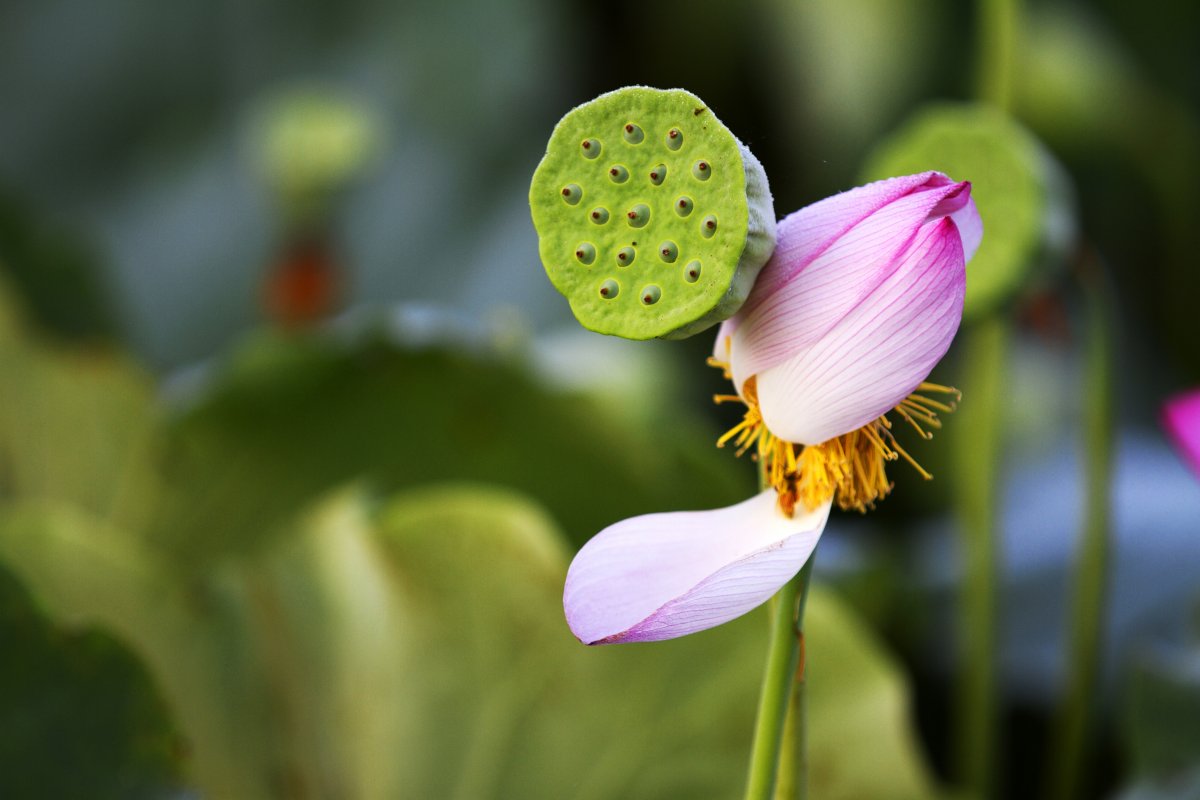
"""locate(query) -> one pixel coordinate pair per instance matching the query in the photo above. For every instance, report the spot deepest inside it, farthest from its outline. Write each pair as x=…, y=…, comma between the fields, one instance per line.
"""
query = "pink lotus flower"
x=858, y=303
x=1181, y=417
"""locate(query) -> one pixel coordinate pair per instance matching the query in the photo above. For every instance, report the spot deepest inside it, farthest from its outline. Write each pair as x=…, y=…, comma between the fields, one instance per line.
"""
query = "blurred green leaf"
x=291, y=418
x=76, y=426
x=78, y=699
x=1022, y=195
x=418, y=649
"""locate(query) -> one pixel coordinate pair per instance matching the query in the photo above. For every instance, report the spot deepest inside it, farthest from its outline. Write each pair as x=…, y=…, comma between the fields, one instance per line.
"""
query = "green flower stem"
x=978, y=456
x=1088, y=606
x=793, y=753
x=978, y=471
x=779, y=684
x=999, y=22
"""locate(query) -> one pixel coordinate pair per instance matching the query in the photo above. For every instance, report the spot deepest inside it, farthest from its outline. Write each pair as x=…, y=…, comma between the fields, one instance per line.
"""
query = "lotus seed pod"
x=670, y=172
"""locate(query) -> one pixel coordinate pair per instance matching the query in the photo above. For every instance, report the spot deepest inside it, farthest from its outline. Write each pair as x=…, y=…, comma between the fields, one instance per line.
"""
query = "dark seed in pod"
x=572, y=194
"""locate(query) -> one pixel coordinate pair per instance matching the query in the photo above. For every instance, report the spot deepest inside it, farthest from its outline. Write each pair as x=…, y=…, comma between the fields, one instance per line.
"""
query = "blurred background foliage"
x=296, y=439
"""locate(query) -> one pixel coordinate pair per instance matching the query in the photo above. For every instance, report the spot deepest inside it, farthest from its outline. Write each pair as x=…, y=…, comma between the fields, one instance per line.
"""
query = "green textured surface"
x=1008, y=183
x=565, y=223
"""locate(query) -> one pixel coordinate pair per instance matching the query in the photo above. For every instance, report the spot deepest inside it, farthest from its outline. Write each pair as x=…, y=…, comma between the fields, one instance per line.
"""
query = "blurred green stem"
x=780, y=683
x=978, y=471
x=999, y=21
x=1088, y=605
x=978, y=456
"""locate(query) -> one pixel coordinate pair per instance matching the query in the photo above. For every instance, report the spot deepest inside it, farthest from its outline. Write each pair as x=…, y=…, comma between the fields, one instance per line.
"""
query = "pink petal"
x=1181, y=417
x=876, y=354
x=660, y=576
x=833, y=255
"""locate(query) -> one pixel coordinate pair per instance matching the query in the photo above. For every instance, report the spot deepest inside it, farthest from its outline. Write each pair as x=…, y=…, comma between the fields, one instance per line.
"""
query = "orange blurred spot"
x=304, y=285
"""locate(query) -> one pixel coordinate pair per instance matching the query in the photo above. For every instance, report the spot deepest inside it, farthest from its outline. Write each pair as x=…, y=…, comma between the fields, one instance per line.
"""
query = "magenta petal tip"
x=1181, y=418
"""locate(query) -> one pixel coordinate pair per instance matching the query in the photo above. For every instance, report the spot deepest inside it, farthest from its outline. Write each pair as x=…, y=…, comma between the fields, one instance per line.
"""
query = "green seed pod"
x=671, y=154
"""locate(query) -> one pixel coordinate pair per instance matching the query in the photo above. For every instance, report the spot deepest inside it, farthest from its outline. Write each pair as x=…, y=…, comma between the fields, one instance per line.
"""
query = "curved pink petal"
x=878, y=353
x=1181, y=417
x=833, y=255
x=660, y=576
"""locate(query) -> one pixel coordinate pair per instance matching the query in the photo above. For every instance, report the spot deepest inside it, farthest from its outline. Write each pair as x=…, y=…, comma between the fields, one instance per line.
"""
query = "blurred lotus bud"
x=312, y=145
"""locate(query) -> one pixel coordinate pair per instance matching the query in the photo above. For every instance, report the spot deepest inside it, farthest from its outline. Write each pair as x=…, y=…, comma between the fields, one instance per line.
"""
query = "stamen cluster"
x=851, y=468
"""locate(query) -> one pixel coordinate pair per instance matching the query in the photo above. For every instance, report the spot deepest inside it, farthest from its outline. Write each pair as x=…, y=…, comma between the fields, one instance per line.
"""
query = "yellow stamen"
x=851, y=468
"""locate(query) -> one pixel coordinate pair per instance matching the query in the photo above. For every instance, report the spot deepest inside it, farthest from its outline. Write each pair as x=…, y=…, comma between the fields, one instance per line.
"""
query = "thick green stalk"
x=779, y=684
x=1088, y=605
x=978, y=473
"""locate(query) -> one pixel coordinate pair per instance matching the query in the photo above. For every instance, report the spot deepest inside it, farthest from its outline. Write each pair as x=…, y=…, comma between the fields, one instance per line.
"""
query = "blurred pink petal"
x=1181, y=417
x=660, y=576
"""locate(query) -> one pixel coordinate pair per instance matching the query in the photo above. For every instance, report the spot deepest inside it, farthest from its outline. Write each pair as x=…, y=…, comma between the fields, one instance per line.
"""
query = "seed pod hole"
x=633, y=134
x=572, y=194
x=658, y=174
x=674, y=139
x=609, y=289
x=618, y=174
x=591, y=148
x=708, y=227
x=599, y=215
x=683, y=206
x=625, y=256
x=668, y=251
x=650, y=295
x=638, y=216
x=702, y=170
x=691, y=273
x=585, y=253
